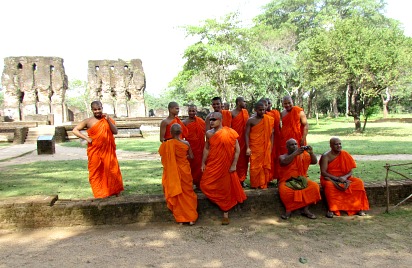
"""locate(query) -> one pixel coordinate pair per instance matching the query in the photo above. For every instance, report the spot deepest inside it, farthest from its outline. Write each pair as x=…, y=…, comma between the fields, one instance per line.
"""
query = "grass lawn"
x=69, y=179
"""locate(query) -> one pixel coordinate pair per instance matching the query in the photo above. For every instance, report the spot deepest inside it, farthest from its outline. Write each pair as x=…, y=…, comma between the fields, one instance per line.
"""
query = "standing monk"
x=294, y=124
x=275, y=114
x=342, y=190
x=177, y=179
x=217, y=108
x=295, y=189
x=239, y=119
x=104, y=172
x=196, y=137
x=220, y=182
x=166, y=123
x=259, y=138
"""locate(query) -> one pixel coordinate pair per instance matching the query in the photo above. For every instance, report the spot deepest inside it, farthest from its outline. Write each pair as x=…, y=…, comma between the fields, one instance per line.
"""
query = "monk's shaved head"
x=290, y=141
x=333, y=140
x=259, y=104
x=287, y=98
x=175, y=129
x=216, y=115
x=172, y=104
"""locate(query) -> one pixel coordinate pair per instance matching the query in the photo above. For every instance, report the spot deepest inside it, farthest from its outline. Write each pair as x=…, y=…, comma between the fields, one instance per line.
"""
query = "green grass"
x=69, y=179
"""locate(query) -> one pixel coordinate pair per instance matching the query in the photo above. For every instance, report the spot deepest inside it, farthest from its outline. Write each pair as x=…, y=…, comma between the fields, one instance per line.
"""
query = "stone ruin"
x=34, y=89
x=119, y=85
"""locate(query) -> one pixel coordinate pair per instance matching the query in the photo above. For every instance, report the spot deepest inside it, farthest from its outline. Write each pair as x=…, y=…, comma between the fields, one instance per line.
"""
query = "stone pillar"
x=136, y=89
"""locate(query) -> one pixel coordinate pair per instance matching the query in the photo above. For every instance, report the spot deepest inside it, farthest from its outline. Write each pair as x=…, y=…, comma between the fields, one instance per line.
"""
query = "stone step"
x=35, y=132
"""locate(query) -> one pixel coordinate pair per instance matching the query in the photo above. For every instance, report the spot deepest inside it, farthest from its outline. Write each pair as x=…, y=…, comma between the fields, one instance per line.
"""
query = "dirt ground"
x=376, y=240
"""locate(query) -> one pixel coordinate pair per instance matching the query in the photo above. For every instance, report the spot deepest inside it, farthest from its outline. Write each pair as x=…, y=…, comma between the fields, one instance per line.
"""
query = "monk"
x=343, y=191
x=220, y=182
x=172, y=118
x=275, y=114
x=239, y=118
x=104, y=172
x=177, y=179
x=217, y=108
x=196, y=137
x=259, y=139
x=294, y=124
x=294, y=169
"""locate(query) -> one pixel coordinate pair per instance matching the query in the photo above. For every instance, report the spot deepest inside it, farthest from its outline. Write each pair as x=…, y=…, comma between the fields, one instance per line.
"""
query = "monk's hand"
x=248, y=151
x=300, y=150
x=89, y=140
x=203, y=167
x=341, y=179
x=232, y=168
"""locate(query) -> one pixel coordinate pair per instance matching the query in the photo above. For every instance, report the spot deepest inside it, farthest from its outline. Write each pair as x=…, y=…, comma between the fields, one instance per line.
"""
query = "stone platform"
x=47, y=211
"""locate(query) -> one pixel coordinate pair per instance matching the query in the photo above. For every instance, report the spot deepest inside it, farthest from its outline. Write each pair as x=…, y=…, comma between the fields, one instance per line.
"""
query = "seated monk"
x=343, y=191
x=295, y=189
x=177, y=179
x=220, y=182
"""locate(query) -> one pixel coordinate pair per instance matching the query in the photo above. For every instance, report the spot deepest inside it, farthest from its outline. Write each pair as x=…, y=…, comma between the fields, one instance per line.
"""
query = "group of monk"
x=269, y=145
x=214, y=156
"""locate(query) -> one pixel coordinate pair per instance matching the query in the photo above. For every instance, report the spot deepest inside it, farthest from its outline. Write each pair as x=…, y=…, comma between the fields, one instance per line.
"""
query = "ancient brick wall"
x=119, y=85
x=34, y=86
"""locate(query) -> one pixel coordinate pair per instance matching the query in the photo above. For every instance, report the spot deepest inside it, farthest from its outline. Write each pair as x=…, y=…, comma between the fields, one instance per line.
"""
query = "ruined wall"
x=119, y=85
x=34, y=86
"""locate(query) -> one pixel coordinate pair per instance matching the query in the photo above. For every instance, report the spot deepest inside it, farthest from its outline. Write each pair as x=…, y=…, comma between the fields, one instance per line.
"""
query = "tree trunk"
x=335, y=107
x=347, y=100
x=385, y=103
x=354, y=107
x=310, y=103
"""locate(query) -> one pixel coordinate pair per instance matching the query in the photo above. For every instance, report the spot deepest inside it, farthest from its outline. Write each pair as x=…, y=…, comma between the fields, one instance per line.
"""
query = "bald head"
x=172, y=104
x=216, y=115
x=335, y=145
x=175, y=129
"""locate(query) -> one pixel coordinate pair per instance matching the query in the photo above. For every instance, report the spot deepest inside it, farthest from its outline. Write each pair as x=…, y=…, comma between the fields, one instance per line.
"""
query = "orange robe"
x=276, y=144
x=226, y=118
x=104, y=172
x=352, y=199
x=295, y=199
x=177, y=120
x=261, y=146
x=177, y=181
x=291, y=128
x=218, y=184
x=196, y=138
x=239, y=125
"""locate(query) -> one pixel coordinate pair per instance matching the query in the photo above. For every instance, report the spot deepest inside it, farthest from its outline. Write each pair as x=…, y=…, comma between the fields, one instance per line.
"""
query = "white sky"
x=82, y=30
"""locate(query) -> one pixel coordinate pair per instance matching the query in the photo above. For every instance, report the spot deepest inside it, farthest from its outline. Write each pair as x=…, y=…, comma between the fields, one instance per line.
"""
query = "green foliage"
x=77, y=95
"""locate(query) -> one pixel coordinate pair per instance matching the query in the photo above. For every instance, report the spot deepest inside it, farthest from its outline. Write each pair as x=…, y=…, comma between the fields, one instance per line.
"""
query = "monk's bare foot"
x=305, y=212
x=191, y=223
x=225, y=220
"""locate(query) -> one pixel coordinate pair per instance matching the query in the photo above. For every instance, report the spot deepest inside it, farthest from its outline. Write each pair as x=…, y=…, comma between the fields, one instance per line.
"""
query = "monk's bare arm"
x=247, y=135
x=191, y=155
x=313, y=158
x=113, y=127
x=304, y=122
x=286, y=159
x=79, y=127
x=324, y=162
x=207, y=122
x=237, y=153
x=163, y=125
x=205, y=153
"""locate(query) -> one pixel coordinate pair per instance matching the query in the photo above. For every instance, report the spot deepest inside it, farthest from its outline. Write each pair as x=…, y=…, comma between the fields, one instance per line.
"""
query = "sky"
x=83, y=30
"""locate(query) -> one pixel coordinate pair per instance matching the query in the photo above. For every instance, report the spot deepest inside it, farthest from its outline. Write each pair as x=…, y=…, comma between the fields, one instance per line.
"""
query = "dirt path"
x=266, y=241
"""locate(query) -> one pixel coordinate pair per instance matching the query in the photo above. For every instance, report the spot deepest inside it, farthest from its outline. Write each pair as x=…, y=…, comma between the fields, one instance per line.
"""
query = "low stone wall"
x=47, y=211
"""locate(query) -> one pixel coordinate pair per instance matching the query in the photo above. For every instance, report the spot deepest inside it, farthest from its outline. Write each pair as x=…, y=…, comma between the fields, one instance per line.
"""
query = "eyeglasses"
x=213, y=119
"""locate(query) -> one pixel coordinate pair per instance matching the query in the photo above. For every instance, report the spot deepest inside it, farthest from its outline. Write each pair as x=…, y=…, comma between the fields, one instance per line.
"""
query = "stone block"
x=46, y=145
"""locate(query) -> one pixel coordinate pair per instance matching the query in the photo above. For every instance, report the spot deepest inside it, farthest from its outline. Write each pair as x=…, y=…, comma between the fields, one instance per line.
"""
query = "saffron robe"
x=261, y=146
x=177, y=181
x=276, y=144
x=177, y=120
x=218, y=184
x=226, y=118
x=295, y=199
x=239, y=125
x=196, y=138
x=291, y=128
x=104, y=172
x=354, y=197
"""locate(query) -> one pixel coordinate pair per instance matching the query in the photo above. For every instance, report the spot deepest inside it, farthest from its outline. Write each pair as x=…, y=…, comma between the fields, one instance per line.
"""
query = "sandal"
x=309, y=215
x=191, y=223
x=286, y=216
x=362, y=213
x=329, y=214
x=225, y=221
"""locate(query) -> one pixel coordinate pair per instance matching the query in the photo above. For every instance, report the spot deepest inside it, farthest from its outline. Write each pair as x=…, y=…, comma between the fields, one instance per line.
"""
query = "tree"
x=77, y=95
